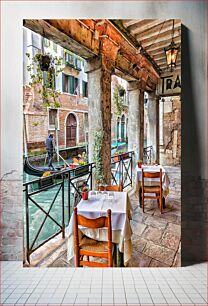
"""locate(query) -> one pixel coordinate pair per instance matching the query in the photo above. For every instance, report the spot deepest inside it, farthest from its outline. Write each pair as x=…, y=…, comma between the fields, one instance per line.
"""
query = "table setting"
x=96, y=206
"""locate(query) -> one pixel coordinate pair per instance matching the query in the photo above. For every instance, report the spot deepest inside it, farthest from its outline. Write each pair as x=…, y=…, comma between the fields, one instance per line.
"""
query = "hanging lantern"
x=171, y=52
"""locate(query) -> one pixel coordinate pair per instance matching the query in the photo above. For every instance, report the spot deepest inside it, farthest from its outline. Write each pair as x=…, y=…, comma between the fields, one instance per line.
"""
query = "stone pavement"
x=156, y=238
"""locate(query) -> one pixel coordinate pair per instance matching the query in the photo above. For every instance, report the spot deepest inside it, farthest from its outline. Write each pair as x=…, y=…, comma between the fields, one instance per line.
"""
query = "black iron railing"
x=72, y=181
x=147, y=157
x=121, y=169
x=44, y=184
x=41, y=185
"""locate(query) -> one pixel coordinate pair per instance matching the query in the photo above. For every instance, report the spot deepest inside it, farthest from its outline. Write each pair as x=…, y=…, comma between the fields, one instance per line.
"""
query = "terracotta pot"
x=116, y=158
x=85, y=195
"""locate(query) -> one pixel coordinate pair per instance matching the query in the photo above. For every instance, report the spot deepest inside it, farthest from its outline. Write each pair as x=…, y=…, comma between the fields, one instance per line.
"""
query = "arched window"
x=71, y=130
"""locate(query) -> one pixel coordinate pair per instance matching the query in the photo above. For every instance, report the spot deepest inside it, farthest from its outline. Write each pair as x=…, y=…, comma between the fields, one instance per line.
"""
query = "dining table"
x=96, y=206
x=151, y=181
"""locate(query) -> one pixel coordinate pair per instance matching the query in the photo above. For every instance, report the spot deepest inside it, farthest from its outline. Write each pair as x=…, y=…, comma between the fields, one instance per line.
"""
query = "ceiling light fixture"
x=171, y=52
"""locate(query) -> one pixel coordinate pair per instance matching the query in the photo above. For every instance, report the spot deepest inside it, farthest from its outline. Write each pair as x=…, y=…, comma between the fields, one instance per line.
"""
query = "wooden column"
x=99, y=111
x=141, y=123
x=157, y=130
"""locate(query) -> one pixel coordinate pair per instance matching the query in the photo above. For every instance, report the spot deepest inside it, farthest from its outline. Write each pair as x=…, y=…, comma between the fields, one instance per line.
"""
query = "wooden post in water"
x=57, y=143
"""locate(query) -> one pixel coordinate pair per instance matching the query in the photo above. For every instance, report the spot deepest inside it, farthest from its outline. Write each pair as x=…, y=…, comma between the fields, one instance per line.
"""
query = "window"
x=53, y=119
x=84, y=89
x=78, y=64
x=54, y=47
x=46, y=42
x=70, y=84
x=69, y=59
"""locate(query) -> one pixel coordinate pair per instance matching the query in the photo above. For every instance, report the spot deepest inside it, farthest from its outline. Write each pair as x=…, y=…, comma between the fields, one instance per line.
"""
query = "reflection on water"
x=36, y=216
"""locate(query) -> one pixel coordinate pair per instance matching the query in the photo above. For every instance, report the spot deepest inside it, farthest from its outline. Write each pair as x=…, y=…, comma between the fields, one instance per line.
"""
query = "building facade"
x=69, y=122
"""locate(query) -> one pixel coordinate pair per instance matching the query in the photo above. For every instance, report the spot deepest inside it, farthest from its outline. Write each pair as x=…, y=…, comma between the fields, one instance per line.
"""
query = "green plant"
x=118, y=100
x=98, y=139
x=35, y=123
x=44, y=81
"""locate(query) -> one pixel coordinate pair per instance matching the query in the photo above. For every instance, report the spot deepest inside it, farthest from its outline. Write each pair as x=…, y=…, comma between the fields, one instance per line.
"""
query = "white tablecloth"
x=97, y=206
x=152, y=181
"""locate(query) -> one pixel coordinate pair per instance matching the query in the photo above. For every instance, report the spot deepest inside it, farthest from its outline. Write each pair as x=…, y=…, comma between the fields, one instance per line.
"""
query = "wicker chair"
x=90, y=247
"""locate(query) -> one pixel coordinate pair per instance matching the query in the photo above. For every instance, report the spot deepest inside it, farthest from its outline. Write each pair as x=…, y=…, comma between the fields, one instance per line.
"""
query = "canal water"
x=44, y=200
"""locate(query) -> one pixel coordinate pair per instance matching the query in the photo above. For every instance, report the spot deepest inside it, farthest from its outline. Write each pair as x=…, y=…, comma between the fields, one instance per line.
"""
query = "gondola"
x=38, y=171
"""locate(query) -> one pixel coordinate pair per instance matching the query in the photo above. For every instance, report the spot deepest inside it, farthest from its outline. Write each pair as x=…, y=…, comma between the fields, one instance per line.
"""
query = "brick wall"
x=36, y=117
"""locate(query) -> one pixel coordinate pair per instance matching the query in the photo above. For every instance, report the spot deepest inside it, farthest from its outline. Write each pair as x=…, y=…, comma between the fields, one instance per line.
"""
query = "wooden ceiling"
x=153, y=35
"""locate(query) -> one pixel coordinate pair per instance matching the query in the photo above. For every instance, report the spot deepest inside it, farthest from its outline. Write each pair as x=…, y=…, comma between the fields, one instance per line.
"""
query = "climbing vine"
x=44, y=81
x=118, y=99
x=98, y=139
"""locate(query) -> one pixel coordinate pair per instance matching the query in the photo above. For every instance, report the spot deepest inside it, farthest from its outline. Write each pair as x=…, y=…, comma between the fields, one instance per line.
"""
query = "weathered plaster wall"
x=194, y=107
x=170, y=151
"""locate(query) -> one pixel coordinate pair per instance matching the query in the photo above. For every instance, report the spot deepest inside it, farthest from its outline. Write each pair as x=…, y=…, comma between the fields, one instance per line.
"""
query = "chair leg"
x=140, y=197
x=161, y=203
x=115, y=254
x=143, y=203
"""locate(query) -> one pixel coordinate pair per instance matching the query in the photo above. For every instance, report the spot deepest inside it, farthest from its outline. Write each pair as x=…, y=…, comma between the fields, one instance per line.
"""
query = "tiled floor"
x=129, y=286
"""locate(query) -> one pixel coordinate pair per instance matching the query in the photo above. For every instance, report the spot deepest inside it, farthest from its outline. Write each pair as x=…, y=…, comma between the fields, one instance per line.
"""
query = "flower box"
x=83, y=170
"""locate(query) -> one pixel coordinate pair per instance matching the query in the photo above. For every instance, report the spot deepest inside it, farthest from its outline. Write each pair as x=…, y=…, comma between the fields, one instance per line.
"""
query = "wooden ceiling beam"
x=67, y=39
x=161, y=28
x=142, y=25
x=159, y=38
x=129, y=22
x=161, y=45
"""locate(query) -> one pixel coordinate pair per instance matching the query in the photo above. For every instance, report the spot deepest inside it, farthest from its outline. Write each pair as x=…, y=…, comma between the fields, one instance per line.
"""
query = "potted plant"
x=43, y=69
x=139, y=163
x=45, y=61
x=119, y=157
x=116, y=158
x=85, y=191
x=121, y=92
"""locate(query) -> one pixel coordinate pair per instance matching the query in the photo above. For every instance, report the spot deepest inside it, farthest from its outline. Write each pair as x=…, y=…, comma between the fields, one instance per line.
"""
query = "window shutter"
x=71, y=84
x=83, y=88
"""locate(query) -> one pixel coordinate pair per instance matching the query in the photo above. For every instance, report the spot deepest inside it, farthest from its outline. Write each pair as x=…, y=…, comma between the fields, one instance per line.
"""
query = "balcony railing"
x=65, y=192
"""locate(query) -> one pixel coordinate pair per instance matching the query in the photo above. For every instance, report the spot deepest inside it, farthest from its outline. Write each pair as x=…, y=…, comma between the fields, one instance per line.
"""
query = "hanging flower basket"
x=44, y=62
x=121, y=92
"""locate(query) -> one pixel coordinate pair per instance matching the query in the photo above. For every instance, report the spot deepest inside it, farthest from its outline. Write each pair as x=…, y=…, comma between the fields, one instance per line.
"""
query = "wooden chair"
x=152, y=189
x=111, y=188
x=90, y=247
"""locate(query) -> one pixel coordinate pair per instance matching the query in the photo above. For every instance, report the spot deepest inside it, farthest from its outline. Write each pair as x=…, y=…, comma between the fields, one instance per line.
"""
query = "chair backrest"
x=100, y=222
x=111, y=188
x=146, y=174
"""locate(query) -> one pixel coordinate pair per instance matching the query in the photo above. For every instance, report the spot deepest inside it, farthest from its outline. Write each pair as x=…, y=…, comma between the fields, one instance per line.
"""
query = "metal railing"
x=147, y=157
x=44, y=185
x=41, y=185
x=121, y=172
x=121, y=169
